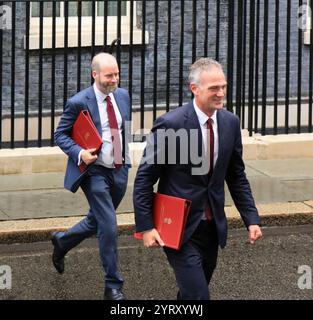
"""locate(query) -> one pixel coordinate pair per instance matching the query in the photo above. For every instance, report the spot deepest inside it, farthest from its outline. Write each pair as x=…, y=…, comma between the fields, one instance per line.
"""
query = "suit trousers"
x=195, y=261
x=104, y=189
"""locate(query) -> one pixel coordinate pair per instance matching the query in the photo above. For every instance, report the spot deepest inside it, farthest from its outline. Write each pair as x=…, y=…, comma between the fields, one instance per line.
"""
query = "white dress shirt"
x=105, y=157
x=203, y=118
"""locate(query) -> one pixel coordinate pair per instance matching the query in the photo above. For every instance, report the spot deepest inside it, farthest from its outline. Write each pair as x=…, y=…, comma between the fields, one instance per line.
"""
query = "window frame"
x=86, y=29
x=307, y=32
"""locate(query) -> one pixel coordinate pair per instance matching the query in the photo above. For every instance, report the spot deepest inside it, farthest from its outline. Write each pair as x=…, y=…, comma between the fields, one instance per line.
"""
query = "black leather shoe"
x=57, y=255
x=113, y=294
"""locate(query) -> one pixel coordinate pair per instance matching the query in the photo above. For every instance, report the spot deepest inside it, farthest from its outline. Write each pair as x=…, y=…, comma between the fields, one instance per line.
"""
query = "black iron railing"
x=269, y=67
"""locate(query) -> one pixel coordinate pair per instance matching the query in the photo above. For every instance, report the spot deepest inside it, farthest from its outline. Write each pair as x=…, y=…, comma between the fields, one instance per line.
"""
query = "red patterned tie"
x=207, y=210
x=117, y=146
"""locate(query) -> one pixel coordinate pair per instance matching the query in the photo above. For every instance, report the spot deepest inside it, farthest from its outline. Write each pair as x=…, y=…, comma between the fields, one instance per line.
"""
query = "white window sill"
x=86, y=39
x=307, y=37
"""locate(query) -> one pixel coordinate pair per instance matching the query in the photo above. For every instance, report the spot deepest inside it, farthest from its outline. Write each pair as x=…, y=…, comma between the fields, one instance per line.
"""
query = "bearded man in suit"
x=105, y=180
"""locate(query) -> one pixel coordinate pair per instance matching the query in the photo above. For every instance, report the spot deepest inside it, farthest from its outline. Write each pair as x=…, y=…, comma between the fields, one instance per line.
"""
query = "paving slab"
x=288, y=168
x=51, y=180
x=14, y=182
x=49, y=203
x=303, y=187
x=3, y=216
x=42, y=203
x=252, y=172
x=268, y=190
x=274, y=190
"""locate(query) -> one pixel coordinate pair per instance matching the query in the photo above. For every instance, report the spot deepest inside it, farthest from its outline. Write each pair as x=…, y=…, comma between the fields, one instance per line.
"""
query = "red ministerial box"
x=86, y=135
x=169, y=217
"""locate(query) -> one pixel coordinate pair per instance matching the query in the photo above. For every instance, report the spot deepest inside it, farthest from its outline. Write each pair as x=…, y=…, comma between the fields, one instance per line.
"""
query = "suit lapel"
x=121, y=106
x=93, y=109
x=223, y=132
x=193, y=124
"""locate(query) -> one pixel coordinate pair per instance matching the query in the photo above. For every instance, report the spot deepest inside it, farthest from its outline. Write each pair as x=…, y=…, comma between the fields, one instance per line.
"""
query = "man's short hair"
x=101, y=58
x=202, y=64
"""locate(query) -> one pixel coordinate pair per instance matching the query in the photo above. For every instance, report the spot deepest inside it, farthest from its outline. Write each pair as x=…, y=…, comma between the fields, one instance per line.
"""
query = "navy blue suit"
x=176, y=179
x=104, y=187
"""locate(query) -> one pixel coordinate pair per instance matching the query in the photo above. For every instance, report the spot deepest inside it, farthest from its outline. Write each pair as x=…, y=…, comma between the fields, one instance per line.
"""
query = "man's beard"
x=108, y=89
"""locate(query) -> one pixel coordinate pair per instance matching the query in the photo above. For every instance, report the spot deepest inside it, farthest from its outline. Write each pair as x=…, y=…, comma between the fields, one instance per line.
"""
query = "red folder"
x=86, y=135
x=169, y=217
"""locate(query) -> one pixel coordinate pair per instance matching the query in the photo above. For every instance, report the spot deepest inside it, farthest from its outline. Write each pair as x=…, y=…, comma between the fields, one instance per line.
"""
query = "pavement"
x=34, y=205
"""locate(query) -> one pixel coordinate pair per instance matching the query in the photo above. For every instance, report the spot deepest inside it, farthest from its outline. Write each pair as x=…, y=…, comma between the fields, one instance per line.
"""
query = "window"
x=86, y=23
x=73, y=9
x=307, y=32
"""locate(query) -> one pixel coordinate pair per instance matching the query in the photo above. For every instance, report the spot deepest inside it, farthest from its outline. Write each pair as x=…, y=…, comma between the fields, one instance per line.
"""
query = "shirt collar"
x=203, y=118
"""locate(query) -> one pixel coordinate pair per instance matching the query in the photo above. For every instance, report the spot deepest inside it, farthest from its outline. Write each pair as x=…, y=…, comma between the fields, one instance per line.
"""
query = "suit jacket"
x=176, y=178
x=86, y=100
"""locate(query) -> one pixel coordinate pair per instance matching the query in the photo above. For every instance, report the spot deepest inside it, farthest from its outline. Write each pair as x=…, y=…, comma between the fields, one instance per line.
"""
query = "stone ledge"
x=34, y=230
x=276, y=214
x=285, y=146
x=278, y=208
x=52, y=159
x=32, y=160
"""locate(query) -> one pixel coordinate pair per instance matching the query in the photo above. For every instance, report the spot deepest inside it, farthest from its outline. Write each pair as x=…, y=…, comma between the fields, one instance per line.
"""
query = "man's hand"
x=88, y=157
x=152, y=238
x=255, y=233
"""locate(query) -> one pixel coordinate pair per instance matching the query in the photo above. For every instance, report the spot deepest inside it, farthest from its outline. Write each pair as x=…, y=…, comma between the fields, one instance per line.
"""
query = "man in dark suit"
x=105, y=180
x=203, y=130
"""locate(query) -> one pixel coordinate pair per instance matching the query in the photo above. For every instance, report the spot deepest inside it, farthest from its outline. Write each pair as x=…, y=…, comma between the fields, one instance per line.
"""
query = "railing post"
x=264, y=72
x=12, y=141
x=251, y=66
x=26, y=97
x=1, y=48
x=230, y=55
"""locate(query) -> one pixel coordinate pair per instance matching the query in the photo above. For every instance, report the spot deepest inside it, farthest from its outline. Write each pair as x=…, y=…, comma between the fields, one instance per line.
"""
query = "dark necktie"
x=207, y=210
x=117, y=146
